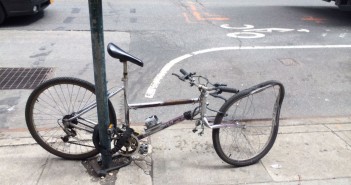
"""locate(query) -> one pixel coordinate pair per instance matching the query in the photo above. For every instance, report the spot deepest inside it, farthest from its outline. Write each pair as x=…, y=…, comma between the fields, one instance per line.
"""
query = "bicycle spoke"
x=80, y=105
x=50, y=106
x=60, y=100
x=54, y=99
x=64, y=97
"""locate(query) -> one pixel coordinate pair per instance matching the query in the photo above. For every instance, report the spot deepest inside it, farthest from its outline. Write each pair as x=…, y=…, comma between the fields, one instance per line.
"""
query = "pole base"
x=118, y=162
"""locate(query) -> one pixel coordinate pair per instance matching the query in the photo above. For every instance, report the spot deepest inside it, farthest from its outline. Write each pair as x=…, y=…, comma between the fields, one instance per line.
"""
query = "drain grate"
x=23, y=78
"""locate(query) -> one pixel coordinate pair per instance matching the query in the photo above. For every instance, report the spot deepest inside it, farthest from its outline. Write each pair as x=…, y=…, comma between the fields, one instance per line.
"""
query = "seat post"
x=125, y=84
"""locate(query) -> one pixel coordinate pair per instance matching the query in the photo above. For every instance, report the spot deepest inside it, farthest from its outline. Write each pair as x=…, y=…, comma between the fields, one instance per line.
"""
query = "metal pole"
x=97, y=40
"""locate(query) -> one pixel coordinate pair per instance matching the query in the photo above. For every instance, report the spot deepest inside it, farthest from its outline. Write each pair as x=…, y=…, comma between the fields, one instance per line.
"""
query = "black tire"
x=255, y=113
x=2, y=14
x=55, y=99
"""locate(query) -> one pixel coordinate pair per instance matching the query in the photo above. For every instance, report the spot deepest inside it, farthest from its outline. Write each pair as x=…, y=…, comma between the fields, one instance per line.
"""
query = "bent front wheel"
x=58, y=99
x=252, y=119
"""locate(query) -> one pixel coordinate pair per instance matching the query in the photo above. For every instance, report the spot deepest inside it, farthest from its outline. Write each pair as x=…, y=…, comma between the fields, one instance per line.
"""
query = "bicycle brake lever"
x=218, y=84
x=218, y=96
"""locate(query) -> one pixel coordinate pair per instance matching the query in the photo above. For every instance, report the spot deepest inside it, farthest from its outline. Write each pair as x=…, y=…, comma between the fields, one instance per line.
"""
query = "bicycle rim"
x=55, y=100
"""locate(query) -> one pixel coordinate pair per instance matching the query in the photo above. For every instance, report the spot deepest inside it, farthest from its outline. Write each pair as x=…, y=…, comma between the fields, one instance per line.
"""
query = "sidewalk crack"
x=42, y=171
x=265, y=168
x=337, y=135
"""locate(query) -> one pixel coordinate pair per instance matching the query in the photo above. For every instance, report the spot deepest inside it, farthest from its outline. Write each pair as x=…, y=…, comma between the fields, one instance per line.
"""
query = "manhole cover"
x=23, y=78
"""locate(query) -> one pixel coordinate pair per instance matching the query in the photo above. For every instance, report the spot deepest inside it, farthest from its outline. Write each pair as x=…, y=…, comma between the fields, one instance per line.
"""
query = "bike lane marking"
x=150, y=92
x=248, y=31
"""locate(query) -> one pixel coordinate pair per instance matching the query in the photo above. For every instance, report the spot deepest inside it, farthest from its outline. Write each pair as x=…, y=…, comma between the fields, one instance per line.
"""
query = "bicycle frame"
x=160, y=126
x=127, y=106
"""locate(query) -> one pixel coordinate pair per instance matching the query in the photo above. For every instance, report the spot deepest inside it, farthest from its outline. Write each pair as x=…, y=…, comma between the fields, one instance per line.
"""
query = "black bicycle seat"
x=123, y=56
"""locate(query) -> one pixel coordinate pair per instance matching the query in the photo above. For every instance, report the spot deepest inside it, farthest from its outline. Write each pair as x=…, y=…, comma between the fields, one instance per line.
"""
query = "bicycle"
x=61, y=116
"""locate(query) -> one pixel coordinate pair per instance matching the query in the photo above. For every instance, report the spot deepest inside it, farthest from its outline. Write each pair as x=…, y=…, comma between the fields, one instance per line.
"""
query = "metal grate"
x=23, y=78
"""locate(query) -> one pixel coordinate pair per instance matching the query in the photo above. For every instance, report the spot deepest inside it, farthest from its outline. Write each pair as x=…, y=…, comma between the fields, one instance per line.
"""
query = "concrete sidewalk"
x=308, y=151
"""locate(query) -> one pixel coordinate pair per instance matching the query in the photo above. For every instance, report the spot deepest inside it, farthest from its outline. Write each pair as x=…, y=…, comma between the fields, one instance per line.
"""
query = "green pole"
x=97, y=41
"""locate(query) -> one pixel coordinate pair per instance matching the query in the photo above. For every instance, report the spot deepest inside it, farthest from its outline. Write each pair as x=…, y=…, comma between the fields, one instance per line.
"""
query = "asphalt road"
x=304, y=44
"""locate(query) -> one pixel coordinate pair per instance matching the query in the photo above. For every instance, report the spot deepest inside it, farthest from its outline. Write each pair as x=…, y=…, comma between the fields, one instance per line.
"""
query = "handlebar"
x=186, y=75
x=184, y=72
x=227, y=89
x=219, y=88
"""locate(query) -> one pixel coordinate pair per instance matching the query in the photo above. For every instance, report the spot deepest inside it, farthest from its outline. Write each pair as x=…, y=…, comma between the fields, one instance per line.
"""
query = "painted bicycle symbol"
x=249, y=32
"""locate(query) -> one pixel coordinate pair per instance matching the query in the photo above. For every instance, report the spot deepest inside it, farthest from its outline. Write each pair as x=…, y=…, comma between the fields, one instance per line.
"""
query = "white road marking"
x=269, y=30
x=248, y=31
x=246, y=26
x=342, y=35
x=246, y=35
x=153, y=86
x=303, y=30
x=11, y=109
x=156, y=82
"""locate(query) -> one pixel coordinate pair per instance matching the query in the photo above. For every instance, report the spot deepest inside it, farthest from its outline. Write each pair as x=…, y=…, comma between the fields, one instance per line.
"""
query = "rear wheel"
x=58, y=99
x=254, y=115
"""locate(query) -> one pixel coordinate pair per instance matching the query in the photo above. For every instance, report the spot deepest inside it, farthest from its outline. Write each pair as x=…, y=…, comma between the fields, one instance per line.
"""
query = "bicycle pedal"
x=194, y=130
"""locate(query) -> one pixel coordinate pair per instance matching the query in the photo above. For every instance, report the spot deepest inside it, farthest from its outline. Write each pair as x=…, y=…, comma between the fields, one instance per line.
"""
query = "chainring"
x=129, y=148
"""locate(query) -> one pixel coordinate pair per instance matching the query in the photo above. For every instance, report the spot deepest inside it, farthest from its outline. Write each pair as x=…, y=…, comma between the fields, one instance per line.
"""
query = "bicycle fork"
x=203, y=121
